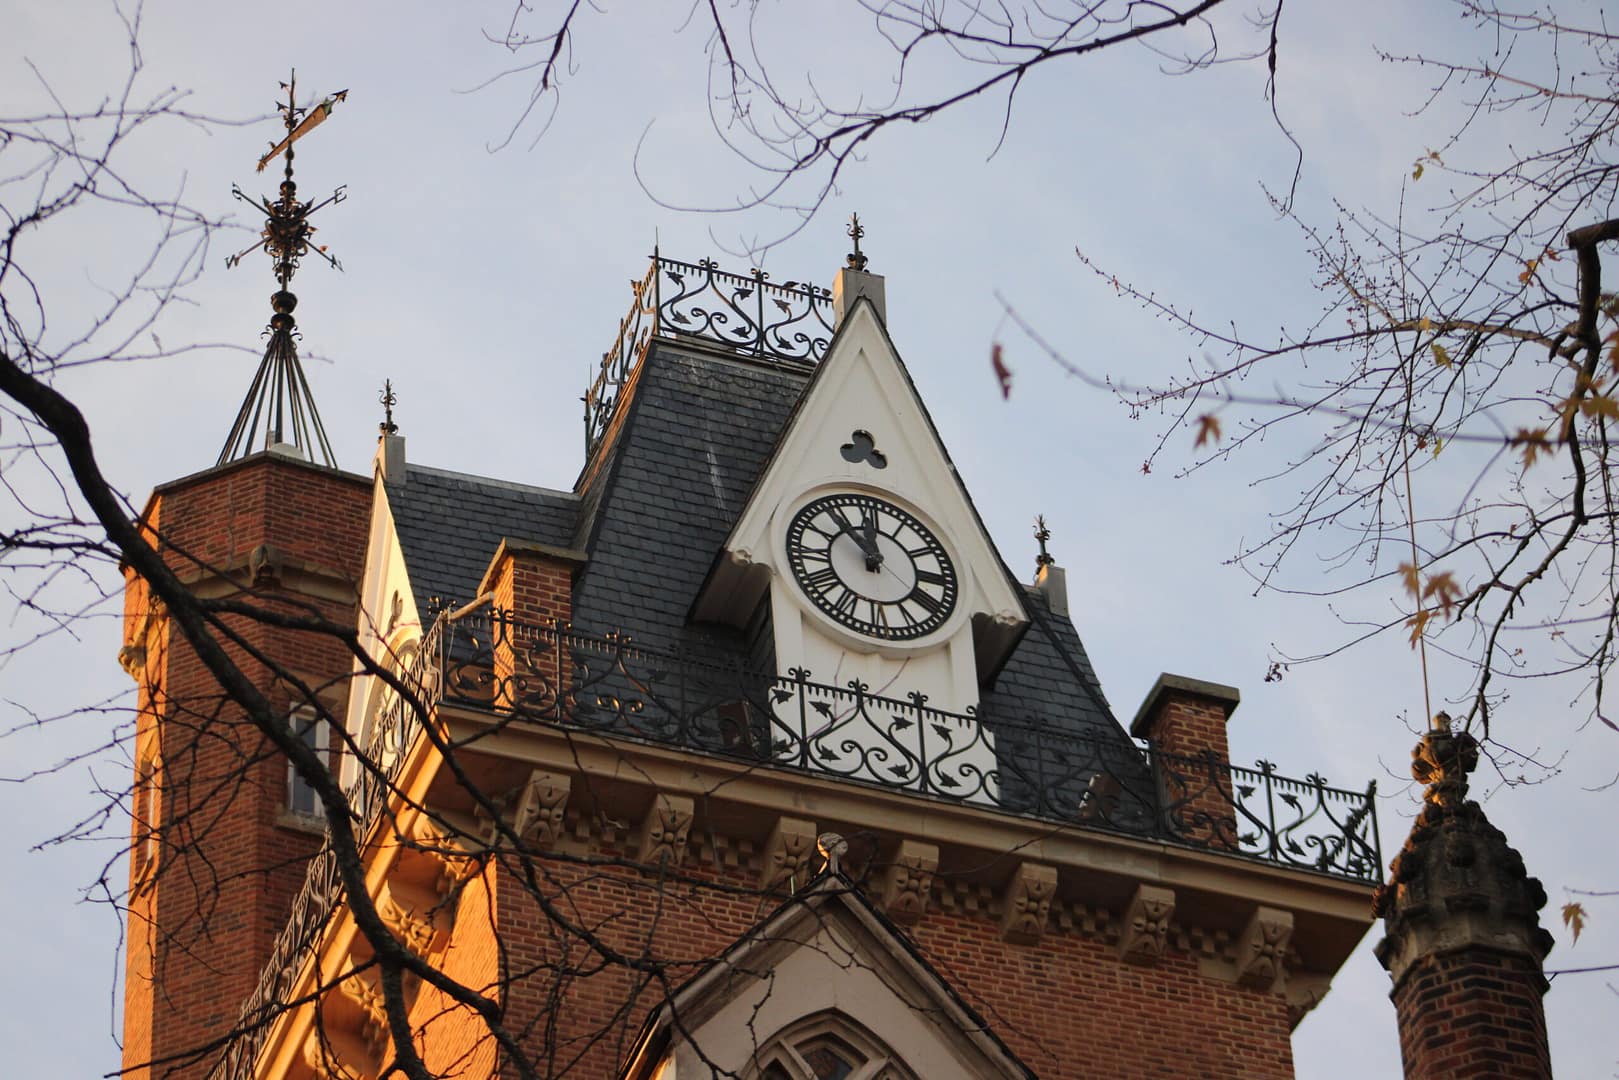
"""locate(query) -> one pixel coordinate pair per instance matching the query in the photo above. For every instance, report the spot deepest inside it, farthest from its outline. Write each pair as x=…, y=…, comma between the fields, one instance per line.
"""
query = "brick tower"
x=222, y=832
x=270, y=543
x=1463, y=941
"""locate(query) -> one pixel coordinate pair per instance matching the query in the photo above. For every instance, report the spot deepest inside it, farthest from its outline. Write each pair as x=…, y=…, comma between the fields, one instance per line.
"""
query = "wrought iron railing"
x=790, y=322
x=1021, y=764
x=608, y=686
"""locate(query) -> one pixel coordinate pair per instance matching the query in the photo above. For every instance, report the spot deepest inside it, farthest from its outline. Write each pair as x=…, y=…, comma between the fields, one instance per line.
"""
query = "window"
x=308, y=726
x=828, y=1047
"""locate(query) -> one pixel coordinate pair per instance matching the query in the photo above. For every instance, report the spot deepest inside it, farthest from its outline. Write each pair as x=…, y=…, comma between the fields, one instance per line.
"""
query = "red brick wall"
x=453, y=1044
x=1068, y=1006
x=228, y=866
x=532, y=589
x=1190, y=724
x=1474, y=1012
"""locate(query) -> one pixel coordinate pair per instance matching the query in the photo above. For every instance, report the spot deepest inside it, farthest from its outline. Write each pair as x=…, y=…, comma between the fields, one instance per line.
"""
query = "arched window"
x=828, y=1046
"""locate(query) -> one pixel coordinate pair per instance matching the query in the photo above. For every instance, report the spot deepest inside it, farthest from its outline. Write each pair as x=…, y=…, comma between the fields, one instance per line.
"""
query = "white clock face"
x=871, y=566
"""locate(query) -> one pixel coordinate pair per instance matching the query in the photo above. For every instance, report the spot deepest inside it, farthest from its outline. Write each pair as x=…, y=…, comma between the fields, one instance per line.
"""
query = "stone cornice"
x=1094, y=867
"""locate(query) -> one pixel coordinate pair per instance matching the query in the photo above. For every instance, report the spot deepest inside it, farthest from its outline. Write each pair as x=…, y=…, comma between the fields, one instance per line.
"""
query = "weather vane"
x=1042, y=533
x=279, y=411
x=287, y=230
x=857, y=261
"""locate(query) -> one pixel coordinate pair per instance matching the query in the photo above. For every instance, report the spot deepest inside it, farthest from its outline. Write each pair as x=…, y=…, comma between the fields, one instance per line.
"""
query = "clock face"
x=871, y=566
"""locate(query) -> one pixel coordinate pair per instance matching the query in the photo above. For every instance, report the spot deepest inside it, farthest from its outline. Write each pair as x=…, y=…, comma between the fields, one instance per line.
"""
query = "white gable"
x=389, y=624
x=861, y=428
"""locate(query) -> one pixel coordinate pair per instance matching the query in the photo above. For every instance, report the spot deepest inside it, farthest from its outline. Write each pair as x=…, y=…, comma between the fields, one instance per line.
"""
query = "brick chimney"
x=1184, y=720
x=1463, y=942
x=1186, y=717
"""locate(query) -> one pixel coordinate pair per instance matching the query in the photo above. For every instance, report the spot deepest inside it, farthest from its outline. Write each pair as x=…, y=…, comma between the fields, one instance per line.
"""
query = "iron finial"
x=857, y=261
x=279, y=411
x=389, y=399
x=1042, y=533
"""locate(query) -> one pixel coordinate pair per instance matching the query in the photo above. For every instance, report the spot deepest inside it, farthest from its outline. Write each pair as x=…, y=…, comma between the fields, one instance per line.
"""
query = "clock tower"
x=747, y=754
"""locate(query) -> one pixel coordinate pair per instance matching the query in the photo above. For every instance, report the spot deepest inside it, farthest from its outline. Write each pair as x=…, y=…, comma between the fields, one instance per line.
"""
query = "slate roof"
x=701, y=429
x=656, y=511
x=450, y=524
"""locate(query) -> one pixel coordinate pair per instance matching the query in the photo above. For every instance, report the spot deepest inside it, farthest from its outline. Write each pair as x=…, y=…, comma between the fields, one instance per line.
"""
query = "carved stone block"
x=1027, y=902
x=1261, y=951
x=1145, y=933
x=452, y=850
x=132, y=658
x=787, y=853
x=332, y=1056
x=908, y=881
x=421, y=923
x=363, y=989
x=541, y=806
x=665, y=830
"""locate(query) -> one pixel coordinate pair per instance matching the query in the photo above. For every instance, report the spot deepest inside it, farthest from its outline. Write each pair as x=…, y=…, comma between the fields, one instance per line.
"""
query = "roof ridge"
x=490, y=481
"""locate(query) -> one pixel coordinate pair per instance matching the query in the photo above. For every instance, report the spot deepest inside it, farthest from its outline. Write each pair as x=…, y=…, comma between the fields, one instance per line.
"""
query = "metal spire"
x=279, y=409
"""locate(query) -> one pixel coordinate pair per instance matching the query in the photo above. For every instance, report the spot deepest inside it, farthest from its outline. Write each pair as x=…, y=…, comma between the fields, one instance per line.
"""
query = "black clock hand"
x=867, y=539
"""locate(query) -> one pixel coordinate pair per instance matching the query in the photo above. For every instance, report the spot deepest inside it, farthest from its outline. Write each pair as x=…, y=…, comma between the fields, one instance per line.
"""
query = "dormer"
x=861, y=538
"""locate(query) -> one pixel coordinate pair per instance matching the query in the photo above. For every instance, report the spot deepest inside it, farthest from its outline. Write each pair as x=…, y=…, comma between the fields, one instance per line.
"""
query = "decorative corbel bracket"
x=265, y=565
x=908, y=881
x=331, y=1056
x=421, y=923
x=363, y=989
x=665, y=830
x=787, y=853
x=1262, y=949
x=132, y=658
x=1026, y=903
x=541, y=808
x=1146, y=925
x=457, y=862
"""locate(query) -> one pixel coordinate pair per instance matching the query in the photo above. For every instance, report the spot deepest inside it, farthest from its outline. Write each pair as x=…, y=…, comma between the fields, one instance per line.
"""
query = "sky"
x=486, y=283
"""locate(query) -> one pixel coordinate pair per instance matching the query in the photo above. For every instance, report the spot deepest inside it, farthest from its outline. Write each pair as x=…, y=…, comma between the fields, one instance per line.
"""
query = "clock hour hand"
x=867, y=539
x=865, y=536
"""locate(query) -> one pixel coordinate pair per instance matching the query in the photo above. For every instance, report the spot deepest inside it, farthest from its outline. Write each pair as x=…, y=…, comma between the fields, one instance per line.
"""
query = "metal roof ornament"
x=1042, y=533
x=856, y=260
x=389, y=399
x=279, y=409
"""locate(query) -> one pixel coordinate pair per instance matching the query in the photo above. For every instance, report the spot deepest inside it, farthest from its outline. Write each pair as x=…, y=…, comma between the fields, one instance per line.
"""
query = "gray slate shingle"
x=450, y=524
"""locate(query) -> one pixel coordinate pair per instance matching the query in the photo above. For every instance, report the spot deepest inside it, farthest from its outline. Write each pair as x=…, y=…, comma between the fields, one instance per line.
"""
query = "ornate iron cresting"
x=1016, y=763
x=279, y=407
x=608, y=686
x=789, y=323
x=397, y=725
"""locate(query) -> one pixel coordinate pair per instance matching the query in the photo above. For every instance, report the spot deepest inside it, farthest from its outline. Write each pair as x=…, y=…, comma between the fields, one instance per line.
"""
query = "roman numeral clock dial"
x=871, y=566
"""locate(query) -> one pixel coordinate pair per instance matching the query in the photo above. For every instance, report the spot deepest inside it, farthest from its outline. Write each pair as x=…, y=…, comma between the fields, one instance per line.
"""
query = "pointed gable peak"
x=854, y=282
x=857, y=974
x=861, y=428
